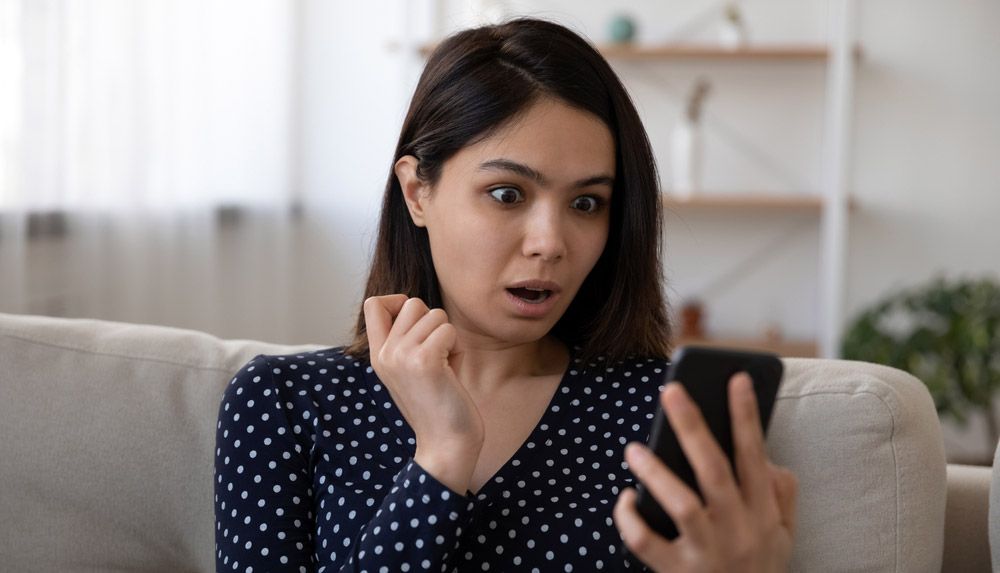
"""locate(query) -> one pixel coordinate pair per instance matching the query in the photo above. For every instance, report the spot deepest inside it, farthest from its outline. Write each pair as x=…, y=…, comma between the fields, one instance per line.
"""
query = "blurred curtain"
x=147, y=157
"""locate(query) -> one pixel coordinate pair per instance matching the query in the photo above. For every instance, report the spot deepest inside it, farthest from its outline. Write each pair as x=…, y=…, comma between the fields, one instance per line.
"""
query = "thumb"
x=380, y=312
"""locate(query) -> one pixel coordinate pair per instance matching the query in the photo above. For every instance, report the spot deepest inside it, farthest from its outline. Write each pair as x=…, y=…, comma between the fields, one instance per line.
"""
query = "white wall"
x=927, y=145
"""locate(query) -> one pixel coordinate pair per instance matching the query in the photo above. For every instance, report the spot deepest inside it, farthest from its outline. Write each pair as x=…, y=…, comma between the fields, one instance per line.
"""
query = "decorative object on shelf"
x=621, y=29
x=485, y=12
x=772, y=333
x=732, y=29
x=947, y=334
x=686, y=140
x=693, y=319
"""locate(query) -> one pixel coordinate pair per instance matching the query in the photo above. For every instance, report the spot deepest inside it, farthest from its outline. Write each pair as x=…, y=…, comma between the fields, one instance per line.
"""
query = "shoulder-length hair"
x=474, y=83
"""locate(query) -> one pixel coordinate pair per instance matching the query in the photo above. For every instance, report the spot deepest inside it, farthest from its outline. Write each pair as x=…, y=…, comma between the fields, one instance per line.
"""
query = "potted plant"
x=947, y=334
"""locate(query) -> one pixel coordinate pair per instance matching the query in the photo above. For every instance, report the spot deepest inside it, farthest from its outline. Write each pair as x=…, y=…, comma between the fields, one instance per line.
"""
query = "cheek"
x=466, y=248
x=593, y=243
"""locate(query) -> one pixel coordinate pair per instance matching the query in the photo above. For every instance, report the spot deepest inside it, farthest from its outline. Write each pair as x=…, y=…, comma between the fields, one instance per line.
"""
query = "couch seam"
x=892, y=444
x=115, y=355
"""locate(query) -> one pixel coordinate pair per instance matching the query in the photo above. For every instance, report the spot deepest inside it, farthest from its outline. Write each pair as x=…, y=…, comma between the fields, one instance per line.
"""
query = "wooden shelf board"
x=775, y=52
x=756, y=201
x=784, y=348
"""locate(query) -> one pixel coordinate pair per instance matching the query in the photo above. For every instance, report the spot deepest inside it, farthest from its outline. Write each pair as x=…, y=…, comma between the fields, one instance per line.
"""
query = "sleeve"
x=417, y=526
x=263, y=493
x=266, y=519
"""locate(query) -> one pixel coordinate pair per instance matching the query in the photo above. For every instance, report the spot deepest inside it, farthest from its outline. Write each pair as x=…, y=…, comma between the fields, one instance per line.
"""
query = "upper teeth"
x=535, y=289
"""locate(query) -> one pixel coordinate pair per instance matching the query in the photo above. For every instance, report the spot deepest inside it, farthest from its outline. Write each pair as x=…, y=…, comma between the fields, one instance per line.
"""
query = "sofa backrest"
x=107, y=442
x=108, y=439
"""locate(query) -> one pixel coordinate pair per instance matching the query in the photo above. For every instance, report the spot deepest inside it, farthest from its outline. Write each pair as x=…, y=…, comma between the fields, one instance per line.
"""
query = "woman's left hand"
x=746, y=526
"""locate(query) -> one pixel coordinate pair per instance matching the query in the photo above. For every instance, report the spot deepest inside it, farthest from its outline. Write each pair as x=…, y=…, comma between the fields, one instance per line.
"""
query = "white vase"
x=685, y=155
x=732, y=36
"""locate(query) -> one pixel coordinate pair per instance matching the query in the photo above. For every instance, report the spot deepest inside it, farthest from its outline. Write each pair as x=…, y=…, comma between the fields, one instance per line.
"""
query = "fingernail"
x=676, y=397
x=637, y=451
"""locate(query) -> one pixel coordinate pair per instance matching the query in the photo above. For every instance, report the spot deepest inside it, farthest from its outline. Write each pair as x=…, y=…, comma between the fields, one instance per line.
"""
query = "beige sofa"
x=107, y=436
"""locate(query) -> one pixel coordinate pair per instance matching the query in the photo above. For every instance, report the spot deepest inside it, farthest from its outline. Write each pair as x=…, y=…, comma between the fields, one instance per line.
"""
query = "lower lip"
x=532, y=310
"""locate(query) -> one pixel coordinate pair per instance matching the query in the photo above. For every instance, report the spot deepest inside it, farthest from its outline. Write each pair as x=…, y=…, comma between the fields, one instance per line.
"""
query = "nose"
x=545, y=233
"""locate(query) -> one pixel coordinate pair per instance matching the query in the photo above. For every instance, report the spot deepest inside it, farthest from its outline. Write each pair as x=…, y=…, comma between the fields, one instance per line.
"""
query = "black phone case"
x=705, y=373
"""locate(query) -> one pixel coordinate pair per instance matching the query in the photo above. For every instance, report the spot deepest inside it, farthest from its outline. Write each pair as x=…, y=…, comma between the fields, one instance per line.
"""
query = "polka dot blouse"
x=314, y=471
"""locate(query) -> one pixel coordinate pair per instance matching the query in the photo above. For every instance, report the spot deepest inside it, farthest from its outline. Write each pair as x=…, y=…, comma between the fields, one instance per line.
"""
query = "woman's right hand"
x=410, y=347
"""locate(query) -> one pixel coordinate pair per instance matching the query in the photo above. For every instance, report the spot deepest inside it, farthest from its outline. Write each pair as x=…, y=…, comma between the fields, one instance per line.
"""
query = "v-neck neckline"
x=407, y=439
x=554, y=409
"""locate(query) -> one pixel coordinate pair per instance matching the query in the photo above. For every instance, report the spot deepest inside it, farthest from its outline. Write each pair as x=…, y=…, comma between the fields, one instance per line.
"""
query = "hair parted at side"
x=474, y=83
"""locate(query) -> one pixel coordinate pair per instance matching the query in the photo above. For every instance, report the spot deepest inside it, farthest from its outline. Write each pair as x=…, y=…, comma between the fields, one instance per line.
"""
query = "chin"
x=499, y=324
x=518, y=330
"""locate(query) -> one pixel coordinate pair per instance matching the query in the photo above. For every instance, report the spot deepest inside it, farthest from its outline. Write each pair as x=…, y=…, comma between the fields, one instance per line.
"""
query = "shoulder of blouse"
x=325, y=359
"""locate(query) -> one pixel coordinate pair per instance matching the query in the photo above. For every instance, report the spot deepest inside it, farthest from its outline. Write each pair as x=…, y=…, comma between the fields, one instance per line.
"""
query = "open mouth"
x=530, y=295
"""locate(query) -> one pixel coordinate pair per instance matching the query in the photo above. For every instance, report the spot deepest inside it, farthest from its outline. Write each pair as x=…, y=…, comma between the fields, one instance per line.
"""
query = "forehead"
x=560, y=141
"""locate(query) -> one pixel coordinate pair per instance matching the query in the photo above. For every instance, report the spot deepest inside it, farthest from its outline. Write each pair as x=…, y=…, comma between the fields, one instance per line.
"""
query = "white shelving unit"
x=833, y=241
x=833, y=203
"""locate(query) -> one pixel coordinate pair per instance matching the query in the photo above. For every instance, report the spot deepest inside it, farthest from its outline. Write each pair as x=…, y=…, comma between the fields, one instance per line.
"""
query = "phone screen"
x=705, y=374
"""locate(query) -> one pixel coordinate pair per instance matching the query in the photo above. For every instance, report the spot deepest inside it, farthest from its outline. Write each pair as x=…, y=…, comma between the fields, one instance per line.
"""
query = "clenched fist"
x=411, y=347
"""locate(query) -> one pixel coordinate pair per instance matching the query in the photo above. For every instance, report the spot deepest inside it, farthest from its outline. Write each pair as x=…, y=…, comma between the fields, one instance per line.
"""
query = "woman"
x=511, y=344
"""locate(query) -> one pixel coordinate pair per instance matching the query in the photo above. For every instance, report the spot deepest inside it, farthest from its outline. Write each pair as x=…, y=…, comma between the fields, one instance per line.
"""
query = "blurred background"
x=218, y=164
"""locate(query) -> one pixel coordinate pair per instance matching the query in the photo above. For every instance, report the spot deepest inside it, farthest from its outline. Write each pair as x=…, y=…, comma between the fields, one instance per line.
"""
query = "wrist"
x=452, y=467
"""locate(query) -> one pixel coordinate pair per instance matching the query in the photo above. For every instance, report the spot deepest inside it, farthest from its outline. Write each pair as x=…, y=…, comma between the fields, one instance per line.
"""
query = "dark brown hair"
x=476, y=82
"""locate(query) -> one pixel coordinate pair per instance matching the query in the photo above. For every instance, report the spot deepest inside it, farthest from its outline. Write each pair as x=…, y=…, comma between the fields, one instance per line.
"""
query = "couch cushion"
x=866, y=445
x=108, y=443
x=966, y=530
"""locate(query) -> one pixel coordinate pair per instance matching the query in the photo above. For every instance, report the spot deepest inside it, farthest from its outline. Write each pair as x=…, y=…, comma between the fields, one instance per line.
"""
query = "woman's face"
x=517, y=221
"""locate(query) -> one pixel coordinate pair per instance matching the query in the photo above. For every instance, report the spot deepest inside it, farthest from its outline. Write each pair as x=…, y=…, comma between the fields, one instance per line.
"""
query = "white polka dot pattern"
x=314, y=471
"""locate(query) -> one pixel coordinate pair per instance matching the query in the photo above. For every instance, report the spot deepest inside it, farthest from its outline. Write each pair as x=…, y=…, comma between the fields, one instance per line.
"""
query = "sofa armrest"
x=994, y=516
x=966, y=535
x=865, y=443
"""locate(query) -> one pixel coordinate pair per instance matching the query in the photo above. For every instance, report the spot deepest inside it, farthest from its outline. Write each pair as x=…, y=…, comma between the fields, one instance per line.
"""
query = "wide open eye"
x=507, y=195
x=587, y=203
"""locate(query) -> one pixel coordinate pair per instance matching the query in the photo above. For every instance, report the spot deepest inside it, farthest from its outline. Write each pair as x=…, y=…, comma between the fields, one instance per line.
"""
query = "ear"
x=415, y=191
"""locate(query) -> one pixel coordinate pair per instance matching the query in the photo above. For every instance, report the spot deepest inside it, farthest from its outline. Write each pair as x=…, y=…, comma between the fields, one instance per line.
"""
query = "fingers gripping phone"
x=705, y=374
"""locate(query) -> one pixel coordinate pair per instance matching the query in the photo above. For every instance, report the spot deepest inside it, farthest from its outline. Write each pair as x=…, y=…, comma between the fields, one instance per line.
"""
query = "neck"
x=485, y=367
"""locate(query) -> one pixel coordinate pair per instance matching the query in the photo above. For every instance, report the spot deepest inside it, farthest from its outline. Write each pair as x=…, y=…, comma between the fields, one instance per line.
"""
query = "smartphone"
x=705, y=373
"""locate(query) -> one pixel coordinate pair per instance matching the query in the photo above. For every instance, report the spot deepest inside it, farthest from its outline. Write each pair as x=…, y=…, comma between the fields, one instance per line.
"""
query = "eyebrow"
x=525, y=171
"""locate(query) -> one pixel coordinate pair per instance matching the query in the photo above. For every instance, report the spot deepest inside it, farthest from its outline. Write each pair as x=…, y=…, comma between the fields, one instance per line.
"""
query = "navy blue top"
x=314, y=471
